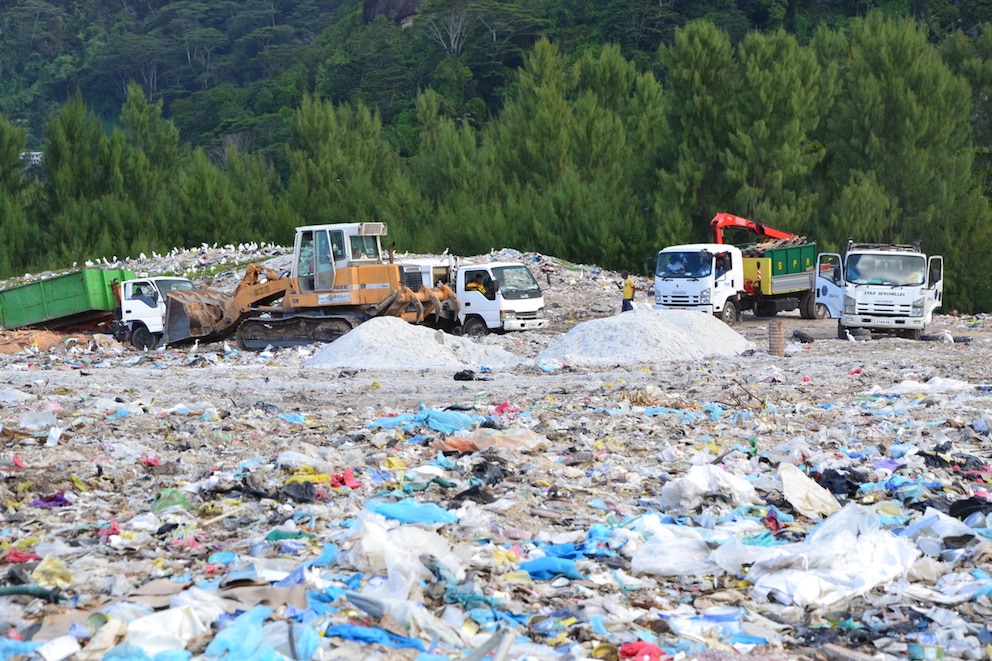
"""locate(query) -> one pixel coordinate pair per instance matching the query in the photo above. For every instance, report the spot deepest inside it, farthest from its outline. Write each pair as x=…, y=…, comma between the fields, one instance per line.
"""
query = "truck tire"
x=822, y=311
x=143, y=339
x=807, y=306
x=855, y=333
x=474, y=327
x=729, y=314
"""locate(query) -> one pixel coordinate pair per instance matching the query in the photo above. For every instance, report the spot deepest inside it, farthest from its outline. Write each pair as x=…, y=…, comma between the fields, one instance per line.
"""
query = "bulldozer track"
x=259, y=334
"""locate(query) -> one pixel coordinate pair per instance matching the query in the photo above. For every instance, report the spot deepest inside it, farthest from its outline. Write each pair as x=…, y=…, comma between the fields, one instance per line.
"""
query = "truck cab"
x=706, y=277
x=510, y=299
x=142, y=309
x=880, y=287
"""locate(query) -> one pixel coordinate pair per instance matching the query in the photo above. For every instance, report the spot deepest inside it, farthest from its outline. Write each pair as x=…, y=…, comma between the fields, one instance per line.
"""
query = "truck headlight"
x=850, y=305
x=540, y=313
x=917, y=309
x=507, y=314
x=704, y=296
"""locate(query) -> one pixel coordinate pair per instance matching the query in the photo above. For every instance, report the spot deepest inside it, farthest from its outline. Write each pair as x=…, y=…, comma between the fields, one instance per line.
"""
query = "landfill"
x=644, y=485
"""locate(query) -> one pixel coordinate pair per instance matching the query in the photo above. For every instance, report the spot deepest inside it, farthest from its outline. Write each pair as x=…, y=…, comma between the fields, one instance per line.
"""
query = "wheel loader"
x=338, y=280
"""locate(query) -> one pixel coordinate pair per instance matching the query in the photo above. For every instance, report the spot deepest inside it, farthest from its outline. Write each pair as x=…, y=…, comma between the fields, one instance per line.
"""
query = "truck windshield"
x=516, y=282
x=693, y=264
x=179, y=284
x=885, y=269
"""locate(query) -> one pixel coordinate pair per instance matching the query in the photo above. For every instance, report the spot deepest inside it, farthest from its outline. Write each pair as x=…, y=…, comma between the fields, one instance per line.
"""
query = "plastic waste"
x=52, y=573
x=845, y=556
x=484, y=439
x=547, y=568
x=808, y=497
x=688, y=493
x=672, y=550
x=241, y=638
x=411, y=511
x=373, y=635
x=447, y=422
x=165, y=630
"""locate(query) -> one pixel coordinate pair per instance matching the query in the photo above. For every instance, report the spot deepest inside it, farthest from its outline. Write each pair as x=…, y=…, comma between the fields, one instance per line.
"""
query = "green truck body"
x=78, y=298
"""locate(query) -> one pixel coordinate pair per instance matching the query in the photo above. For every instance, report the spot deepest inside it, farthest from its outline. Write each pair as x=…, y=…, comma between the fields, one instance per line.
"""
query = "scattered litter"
x=630, y=486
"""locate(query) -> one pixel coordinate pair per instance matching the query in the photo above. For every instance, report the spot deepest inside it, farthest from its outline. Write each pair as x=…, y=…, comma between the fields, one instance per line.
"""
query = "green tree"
x=778, y=100
x=342, y=170
x=17, y=237
x=700, y=74
x=903, y=116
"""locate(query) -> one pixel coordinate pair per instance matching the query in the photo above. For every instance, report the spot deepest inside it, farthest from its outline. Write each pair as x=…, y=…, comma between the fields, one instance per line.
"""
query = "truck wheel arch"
x=143, y=339
x=474, y=327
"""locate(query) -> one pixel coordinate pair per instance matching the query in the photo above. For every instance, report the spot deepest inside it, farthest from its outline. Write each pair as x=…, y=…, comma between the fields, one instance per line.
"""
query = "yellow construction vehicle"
x=338, y=280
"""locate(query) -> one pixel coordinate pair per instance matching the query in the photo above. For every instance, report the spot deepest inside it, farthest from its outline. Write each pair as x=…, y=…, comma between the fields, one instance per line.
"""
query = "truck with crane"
x=768, y=276
x=890, y=288
x=338, y=280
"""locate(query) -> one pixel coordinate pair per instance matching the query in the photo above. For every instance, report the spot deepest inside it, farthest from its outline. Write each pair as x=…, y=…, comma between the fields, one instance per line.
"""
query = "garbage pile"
x=642, y=486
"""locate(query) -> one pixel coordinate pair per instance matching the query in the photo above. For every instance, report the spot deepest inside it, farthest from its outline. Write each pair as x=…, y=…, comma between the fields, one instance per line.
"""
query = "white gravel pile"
x=389, y=343
x=644, y=336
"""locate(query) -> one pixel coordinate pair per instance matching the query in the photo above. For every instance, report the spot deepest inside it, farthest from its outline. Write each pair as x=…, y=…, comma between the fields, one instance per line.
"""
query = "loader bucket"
x=197, y=314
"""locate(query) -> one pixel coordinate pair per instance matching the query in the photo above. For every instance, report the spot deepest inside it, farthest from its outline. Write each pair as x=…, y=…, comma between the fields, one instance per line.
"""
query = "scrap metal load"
x=337, y=281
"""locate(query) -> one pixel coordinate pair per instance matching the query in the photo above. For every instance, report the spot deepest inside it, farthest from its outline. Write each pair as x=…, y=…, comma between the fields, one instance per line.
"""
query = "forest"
x=598, y=132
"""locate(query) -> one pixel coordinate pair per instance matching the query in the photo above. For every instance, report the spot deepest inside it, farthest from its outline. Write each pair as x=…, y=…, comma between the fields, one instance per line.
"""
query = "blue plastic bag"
x=411, y=511
x=447, y=422
x=241, y=639
x=545, y=569
x=373, y=635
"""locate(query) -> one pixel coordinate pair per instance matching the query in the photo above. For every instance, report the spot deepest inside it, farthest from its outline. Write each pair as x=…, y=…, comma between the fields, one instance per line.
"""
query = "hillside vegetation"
x=584, y=130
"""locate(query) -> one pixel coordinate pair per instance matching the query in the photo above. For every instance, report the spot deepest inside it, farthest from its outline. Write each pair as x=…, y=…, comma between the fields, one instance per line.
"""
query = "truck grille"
x=527, y=315
x=679, y=299
x=885, y=308
x=413, y=279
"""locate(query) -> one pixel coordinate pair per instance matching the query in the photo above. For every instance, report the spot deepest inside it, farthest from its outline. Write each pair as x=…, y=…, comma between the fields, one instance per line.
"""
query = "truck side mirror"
x=836, y=275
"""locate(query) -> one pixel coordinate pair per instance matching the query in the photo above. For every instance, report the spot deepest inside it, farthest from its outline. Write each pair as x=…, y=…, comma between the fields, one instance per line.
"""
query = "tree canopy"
x=561, y=128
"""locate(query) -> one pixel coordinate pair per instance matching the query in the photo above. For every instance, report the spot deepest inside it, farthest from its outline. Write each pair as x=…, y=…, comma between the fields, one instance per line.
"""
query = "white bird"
x=947, y=337
x=850, y=338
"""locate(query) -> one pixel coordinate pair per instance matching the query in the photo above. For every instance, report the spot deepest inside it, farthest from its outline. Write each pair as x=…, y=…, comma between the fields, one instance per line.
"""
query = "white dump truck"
x=489, y=296
x=140, y=317
x=880, y=288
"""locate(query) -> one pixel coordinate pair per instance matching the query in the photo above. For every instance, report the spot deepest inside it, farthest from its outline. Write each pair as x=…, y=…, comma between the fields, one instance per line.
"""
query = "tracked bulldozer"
x=338, y=280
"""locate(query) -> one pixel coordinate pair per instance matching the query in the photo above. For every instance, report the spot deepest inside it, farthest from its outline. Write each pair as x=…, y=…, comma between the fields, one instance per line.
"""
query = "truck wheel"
x=474, y=327
x=807, y=306
x=729, y=313
x=143, y=339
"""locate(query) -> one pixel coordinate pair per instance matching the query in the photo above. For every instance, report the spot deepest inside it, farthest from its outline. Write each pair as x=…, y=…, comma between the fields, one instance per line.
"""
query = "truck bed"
x=78, y=298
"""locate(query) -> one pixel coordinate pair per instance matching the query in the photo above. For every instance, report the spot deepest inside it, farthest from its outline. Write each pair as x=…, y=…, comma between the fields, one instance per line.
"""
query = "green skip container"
x=79, y=298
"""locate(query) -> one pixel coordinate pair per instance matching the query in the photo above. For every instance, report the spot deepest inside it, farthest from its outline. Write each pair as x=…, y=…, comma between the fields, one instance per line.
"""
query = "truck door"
x=139, y=297
x=935, y=285
x=830, y=283
x=477, y=293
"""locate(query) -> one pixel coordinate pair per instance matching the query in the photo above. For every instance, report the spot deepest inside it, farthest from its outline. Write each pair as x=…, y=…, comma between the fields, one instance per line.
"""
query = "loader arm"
x=209, y=315
x=722, y=221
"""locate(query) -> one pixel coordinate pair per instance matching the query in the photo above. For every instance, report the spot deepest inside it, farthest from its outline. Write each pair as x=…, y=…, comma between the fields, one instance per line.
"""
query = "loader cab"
x=322, y=250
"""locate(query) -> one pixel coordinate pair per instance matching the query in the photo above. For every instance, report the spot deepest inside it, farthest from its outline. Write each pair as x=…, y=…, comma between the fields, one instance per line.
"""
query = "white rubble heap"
x=617, y=486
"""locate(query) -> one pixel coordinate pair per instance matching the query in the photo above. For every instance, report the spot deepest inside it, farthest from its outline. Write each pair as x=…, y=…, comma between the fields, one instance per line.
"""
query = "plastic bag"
x=687, y=493
x=808, y=497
